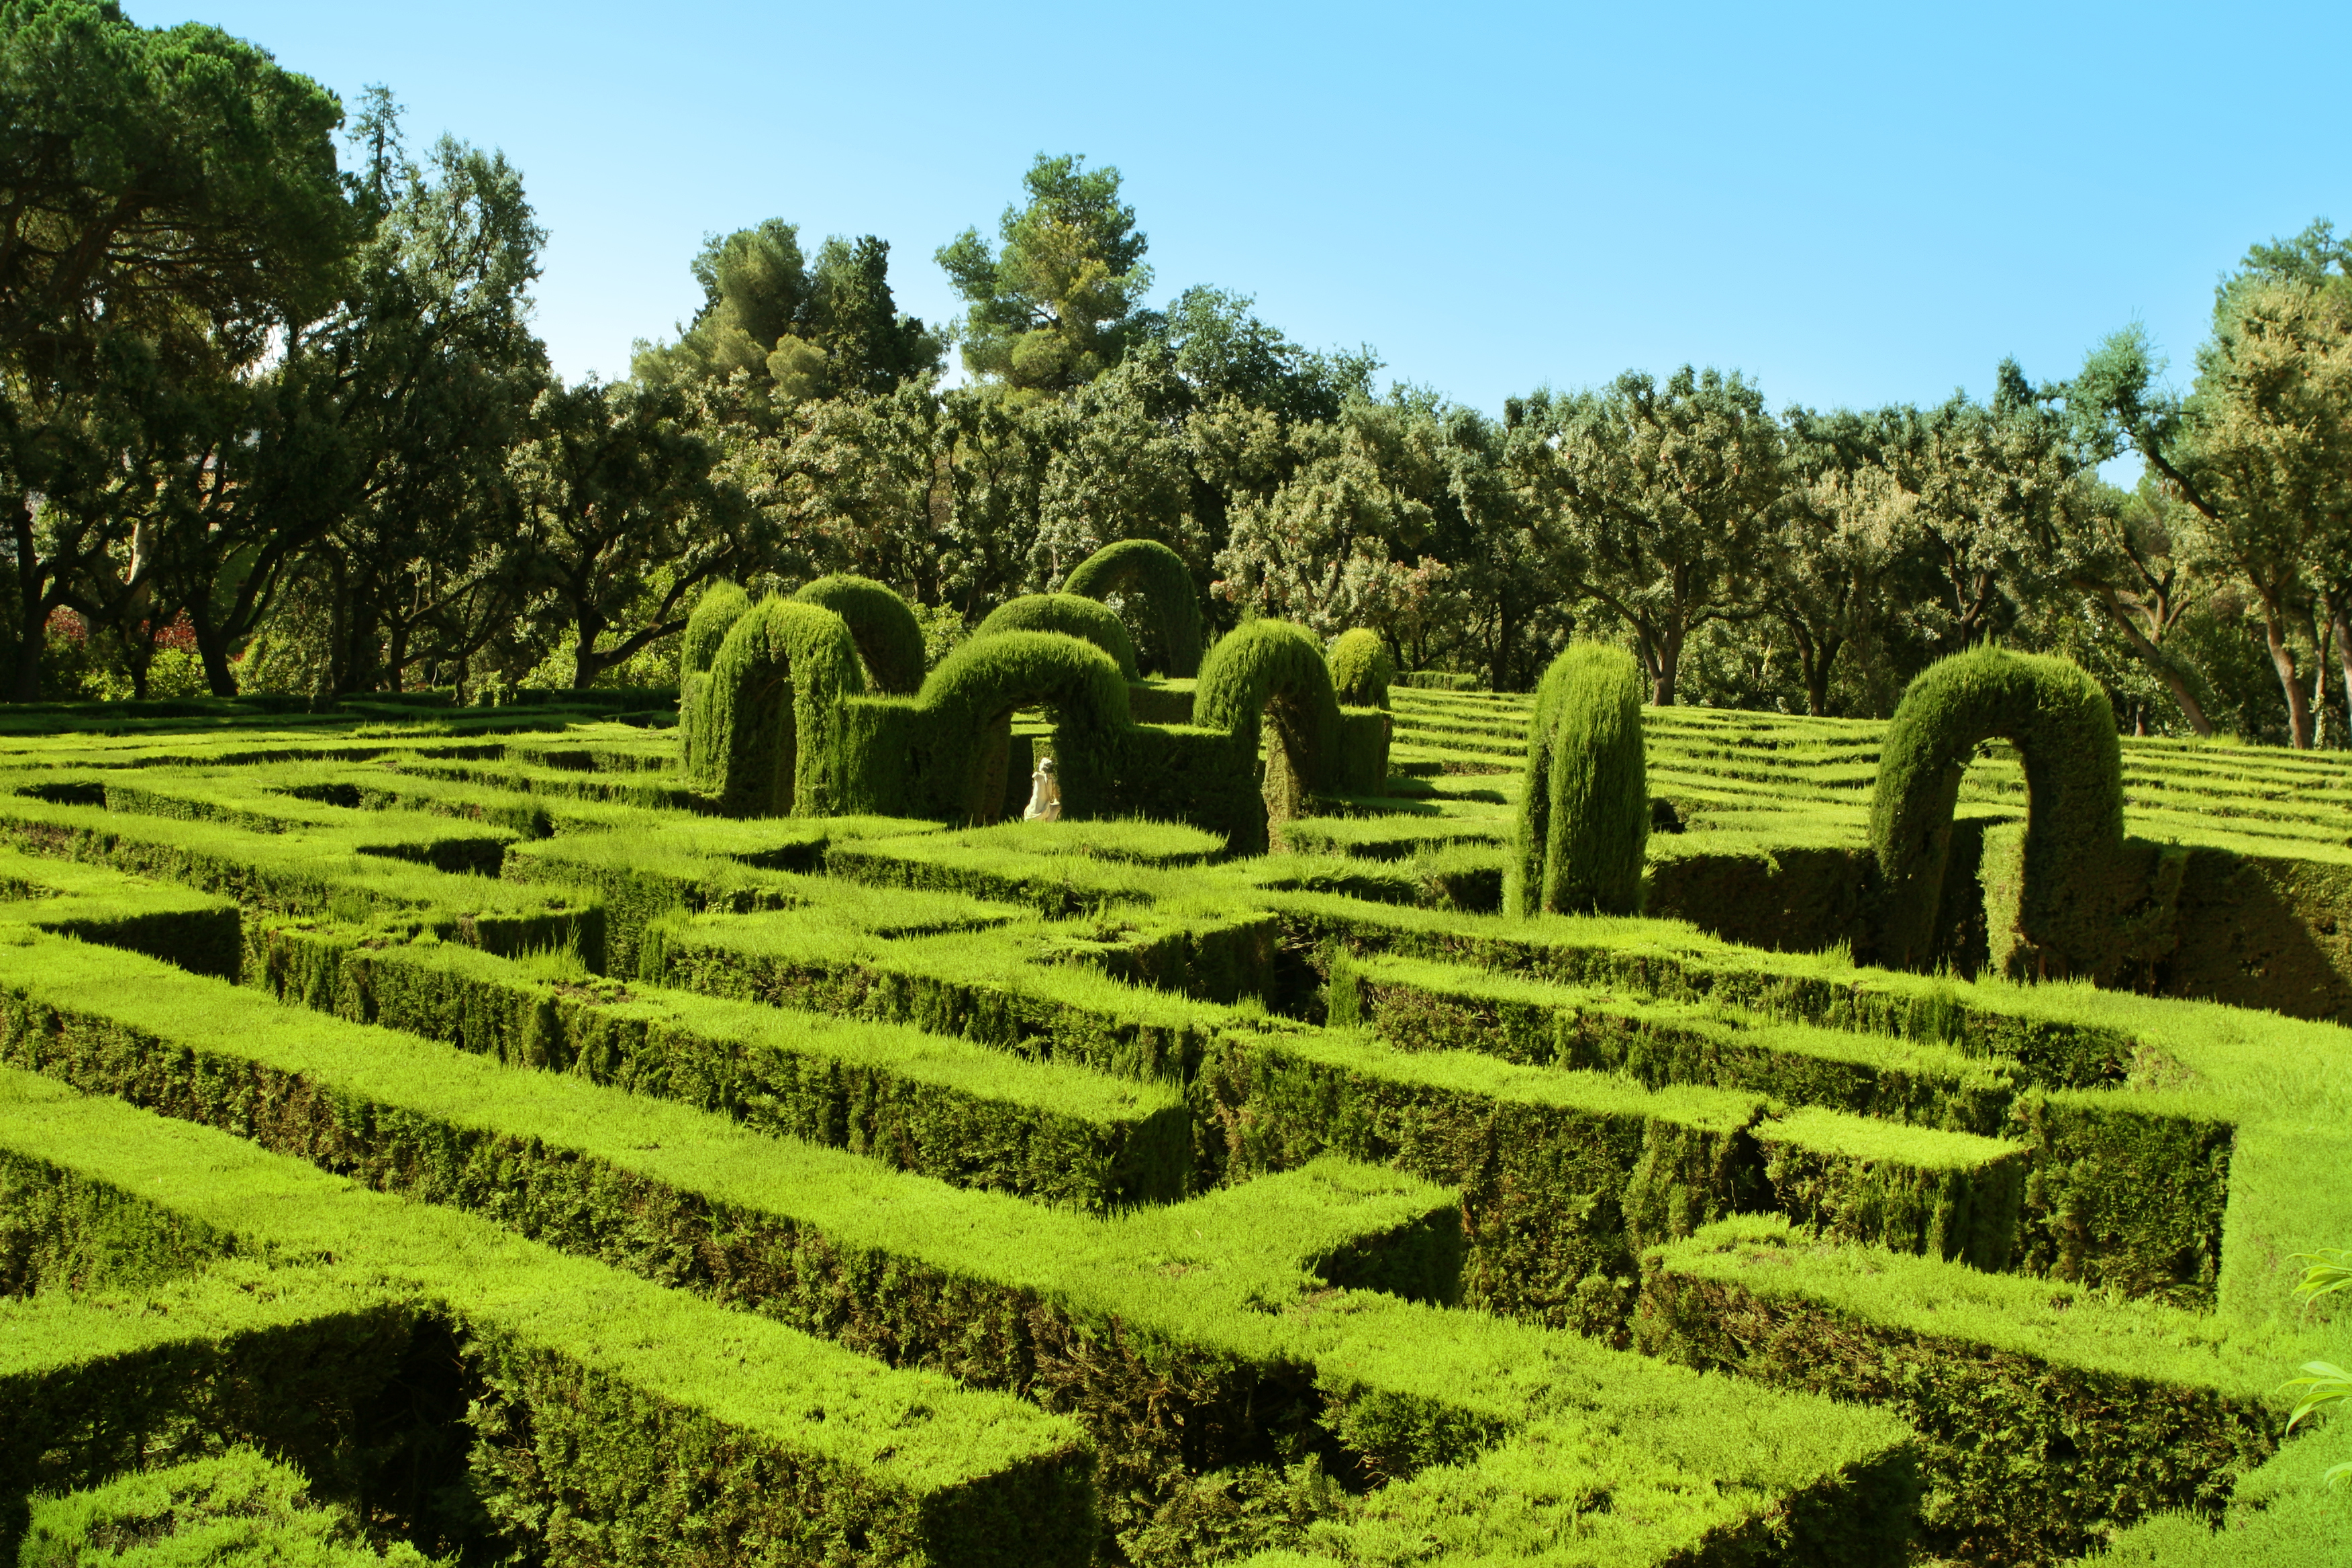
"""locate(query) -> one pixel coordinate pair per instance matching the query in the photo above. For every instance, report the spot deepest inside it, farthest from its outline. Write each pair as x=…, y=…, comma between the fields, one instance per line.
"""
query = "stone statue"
x=1044, y=794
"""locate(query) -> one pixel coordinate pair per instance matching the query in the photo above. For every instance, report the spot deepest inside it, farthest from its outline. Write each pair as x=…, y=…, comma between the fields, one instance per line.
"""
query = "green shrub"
x=722, y=605
x=769, y=710
x=888, y=636
x=2067, y=904
x=239, y=1508
x=1067, y=613
x=1362, y=668
x=1272, y=673
x=1150, y=571
x=1583, y=821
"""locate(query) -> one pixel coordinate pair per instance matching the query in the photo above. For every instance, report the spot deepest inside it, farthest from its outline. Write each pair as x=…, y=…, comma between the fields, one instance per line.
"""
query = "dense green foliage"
x=1584, y=798
x=1362, y=668
x=770, y=709
x=1062, y=1109
x=1149, y=571
x=1066, y=613
x=2068, y=907
x=889, y=639
x=1273, y=673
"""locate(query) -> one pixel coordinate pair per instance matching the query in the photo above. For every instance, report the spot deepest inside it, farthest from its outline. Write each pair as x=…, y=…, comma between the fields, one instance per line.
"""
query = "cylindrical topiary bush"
x=1362, y=669
x=1583, y=821
x=715, y=614
x=1155, y=574
x=2070, y=903
x=1070, y=614
x=969, y=702
x=768, y=710
x=889, y=637
x=1274, y=672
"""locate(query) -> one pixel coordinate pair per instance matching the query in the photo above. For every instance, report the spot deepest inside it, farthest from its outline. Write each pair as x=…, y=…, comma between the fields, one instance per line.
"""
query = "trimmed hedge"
x=1272, y=674
x=2069, y=905
x=769, y=707
x=614, y=1420
x=1069, y=614
x=2049, y=1415
x=1362, y=669
x=889, y=639
x=917, y=1103
x=715, y=614
x=241, y=1507
x=1149, y=569
x=1171, y=1332
x=1583, y=820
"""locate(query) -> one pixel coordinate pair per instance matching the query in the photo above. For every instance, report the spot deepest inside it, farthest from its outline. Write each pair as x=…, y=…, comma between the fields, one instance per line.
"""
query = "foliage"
x=1073, y=613
x=1148, y=569
x=1361, y=669
x=1272, y=674
x=2061, y=726
x=889, y=639
x=1584, y=804
x=1055, y=307
x=768, y=708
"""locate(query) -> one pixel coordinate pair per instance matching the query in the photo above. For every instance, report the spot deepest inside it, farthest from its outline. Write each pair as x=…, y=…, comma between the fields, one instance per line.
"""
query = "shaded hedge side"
x=1583, y=820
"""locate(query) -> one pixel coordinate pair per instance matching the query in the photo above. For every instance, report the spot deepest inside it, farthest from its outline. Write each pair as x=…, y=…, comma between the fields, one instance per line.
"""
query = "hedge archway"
x=768, y=707
x=2064, y=729
x=1069, y=614
x=715, y=614
x=970, y=698
x=1583, y=823
x=1158, y=575
x=888, y=636
x=1274, y=671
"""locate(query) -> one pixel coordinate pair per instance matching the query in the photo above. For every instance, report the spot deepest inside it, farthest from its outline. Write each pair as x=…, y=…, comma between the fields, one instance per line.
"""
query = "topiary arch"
x=1070, y=614
x=1274, y=671
x=2070, y=901
x=1157, y=574
x=970, y=698
x=1362, y=669
x=768, y=710
x=1584, y=822
x=889, y=637
x=715, y=614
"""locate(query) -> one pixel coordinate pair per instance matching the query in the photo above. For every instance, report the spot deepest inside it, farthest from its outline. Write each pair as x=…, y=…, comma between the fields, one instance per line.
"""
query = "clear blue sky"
x=1853, y=204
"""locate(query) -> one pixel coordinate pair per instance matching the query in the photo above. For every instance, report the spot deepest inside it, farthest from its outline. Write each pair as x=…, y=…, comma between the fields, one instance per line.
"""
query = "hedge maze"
x=717, y=1128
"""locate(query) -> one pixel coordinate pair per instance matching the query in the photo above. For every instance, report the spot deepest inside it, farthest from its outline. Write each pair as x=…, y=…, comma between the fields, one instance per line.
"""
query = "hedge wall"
x=889, y=639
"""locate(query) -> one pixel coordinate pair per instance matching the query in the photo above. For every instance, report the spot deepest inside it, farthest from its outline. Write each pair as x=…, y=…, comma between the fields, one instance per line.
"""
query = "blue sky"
x=1853, y=204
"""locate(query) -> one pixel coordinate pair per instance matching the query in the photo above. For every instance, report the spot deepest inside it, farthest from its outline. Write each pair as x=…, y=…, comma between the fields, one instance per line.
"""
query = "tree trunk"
x=2153, y=657
x=31, y=609
x=212, y=649
x=2298, y=704
x=1499, y=670
x=1668, y=665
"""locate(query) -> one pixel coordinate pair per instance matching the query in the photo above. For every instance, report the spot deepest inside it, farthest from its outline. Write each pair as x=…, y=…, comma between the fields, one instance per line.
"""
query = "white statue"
x=1044, y=794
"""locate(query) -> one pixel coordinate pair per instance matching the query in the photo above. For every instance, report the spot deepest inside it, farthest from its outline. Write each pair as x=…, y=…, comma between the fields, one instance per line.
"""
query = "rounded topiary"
x=2064, y=729
x=768, y=707
x=1275, y=671
x=971, y=698
x=1362, y=668
x=1155, y=574
x=1070, y=614
x=1584, y=822
x=722, y=605
x=888, y=636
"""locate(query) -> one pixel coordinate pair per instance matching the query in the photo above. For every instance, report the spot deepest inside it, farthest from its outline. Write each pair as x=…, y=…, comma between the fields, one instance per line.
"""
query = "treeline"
x=274, y=420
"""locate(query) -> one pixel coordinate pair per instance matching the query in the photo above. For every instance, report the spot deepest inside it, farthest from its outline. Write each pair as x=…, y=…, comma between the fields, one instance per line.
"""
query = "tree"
x=2260, y=449
x=1661, y=495
x=1056, y=306
x=1326, y=546
x=826, y=330
x=173, y=202
x=1837, y=547
x=622, y=520
x=2130, y=555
